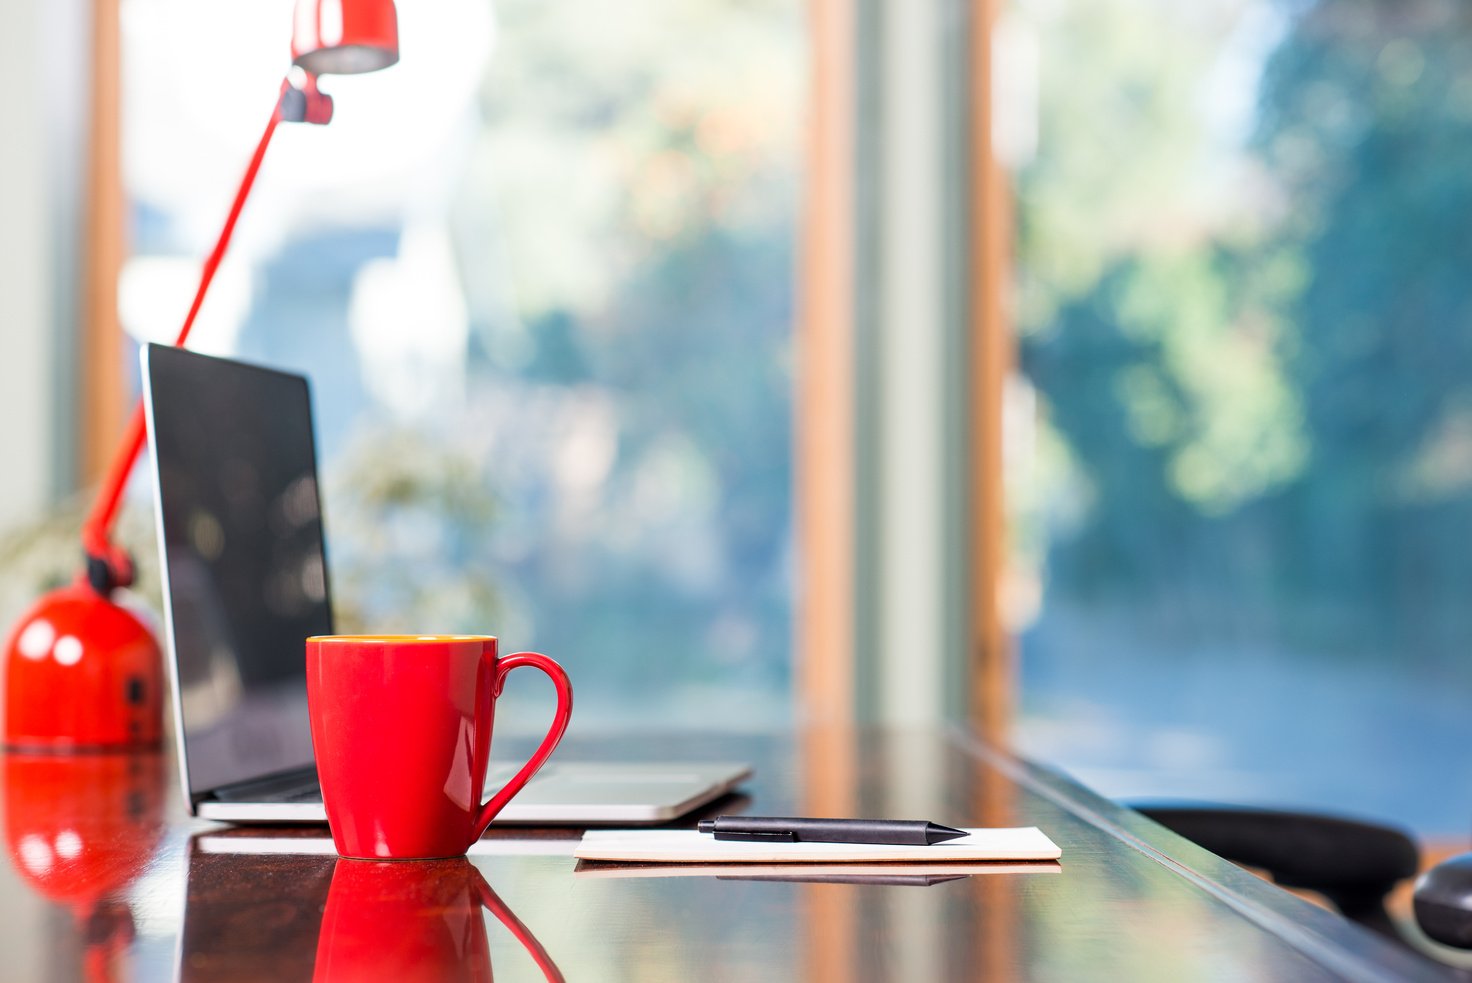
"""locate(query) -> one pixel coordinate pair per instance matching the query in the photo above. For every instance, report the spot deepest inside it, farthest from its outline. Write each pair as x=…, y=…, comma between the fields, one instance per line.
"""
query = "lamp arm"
x=109, y=565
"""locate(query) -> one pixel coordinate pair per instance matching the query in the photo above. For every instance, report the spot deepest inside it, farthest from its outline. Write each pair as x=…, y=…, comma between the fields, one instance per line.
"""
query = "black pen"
x=777, y=829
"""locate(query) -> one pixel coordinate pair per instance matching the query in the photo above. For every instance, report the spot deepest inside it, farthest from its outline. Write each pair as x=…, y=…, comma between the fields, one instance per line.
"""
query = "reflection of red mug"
x=401, y=726
x=408, y=922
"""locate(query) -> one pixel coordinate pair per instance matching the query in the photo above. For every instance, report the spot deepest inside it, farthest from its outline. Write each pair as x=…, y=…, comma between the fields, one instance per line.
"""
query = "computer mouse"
x=1443, y=902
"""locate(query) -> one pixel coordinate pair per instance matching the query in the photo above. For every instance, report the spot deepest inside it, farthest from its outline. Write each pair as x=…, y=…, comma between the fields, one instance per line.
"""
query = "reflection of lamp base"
x=79, y=828
x=82, y=672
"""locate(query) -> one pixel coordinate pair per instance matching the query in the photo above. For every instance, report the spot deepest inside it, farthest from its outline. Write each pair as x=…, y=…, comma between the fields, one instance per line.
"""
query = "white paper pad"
x=690, y=846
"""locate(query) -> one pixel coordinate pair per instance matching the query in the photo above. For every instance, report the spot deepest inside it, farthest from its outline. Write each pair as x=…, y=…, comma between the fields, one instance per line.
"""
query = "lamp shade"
x=82, y=671
x=345, y=37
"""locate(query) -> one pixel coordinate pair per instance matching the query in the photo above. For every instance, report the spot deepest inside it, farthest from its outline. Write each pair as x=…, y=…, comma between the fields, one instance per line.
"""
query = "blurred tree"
x=633, y=310
x=1366, y=125
x=1264, y=378
x=1155, y=347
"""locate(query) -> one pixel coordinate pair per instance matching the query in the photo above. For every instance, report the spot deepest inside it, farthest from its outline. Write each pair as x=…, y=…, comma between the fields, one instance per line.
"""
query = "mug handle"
x=554, y=733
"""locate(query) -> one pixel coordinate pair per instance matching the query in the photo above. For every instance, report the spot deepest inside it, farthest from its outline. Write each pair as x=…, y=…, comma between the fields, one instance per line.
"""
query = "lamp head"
x=345, y=37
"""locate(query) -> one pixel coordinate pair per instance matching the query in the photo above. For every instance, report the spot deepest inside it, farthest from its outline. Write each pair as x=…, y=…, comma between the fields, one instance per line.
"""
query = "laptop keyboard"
x=298, y=787
x=309, y=793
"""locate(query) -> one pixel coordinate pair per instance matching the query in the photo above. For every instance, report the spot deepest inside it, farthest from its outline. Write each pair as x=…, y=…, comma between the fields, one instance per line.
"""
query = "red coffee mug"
x=401, y=726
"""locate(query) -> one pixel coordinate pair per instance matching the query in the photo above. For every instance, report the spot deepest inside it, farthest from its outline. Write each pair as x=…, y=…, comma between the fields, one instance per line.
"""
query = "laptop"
x=243, y=562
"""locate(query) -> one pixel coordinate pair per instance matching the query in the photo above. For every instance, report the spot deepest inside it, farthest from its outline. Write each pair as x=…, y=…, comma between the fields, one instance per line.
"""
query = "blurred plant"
x=411, y=521
x=47, y=553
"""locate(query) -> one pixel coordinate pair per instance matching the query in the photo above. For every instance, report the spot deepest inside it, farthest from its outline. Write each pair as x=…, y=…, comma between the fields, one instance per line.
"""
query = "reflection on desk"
x=1131, y=901
x=874, y=874
x=326, y=919
x=78, y=829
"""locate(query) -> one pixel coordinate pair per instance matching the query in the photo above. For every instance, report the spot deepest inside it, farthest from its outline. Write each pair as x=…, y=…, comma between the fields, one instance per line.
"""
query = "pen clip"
x=783, y=837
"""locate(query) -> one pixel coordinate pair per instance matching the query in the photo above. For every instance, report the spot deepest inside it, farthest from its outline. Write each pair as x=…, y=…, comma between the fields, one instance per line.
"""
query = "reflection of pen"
x=777, y=829
x=874, y=880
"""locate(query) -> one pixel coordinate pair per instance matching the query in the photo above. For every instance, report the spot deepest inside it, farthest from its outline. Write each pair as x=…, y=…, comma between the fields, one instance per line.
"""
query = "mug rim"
x=401, y=639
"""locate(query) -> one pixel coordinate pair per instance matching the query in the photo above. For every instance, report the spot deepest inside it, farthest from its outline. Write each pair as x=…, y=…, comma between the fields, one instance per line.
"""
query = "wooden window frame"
x=100, y=343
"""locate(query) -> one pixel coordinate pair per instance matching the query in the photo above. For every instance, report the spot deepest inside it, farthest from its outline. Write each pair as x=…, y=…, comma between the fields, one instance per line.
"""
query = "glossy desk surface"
x=106, y=879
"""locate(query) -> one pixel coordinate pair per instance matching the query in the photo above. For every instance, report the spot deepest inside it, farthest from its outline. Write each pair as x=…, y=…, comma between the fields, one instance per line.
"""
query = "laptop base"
x=574, y=794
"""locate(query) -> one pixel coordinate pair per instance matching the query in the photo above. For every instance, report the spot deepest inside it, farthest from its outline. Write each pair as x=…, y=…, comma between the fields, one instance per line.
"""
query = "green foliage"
x=638, y=165
x=618, y=131
x=410, y=523
x=1114, y=217
x=1266, y=380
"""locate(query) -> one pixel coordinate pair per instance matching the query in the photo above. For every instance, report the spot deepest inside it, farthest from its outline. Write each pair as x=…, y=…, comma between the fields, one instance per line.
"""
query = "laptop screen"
x=245, y=575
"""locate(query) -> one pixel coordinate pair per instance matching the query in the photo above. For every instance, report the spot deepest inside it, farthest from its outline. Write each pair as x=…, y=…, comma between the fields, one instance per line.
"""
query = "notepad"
x=690, y=846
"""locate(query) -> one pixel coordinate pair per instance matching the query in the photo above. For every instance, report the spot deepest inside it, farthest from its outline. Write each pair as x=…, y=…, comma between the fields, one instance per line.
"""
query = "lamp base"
x=82, y=673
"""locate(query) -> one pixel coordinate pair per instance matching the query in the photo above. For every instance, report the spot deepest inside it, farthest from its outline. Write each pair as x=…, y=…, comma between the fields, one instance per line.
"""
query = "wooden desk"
x=107, y=879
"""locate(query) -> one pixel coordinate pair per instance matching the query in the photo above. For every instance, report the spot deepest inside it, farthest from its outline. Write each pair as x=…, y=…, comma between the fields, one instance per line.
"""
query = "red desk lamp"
x=81, y=670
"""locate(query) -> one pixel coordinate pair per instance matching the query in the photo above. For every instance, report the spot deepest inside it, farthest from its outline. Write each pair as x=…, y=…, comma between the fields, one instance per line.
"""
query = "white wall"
x=42, y=61
x=39, y=115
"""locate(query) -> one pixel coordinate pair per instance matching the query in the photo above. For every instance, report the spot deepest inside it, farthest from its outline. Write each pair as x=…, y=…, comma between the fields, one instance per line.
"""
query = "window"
x=540, y=274
x=1242, y=507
